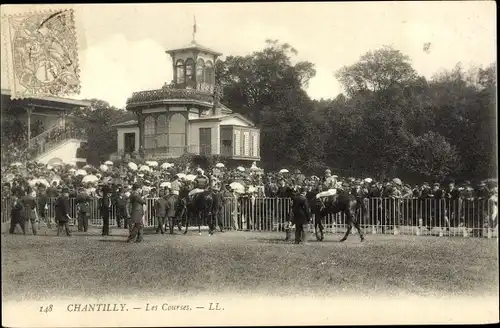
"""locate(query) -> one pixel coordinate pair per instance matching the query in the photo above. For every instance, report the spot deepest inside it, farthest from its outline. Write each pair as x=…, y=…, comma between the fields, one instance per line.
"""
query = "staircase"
x=58, y=142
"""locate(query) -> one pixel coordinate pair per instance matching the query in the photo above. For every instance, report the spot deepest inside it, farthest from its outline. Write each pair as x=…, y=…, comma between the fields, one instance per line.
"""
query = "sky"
x=122, y=47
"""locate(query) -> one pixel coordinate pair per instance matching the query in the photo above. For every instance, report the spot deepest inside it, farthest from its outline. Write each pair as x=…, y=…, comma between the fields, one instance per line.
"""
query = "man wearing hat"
x=83, y=201
x=105, y=207
x=301, y=214
x=62, y=208
x=452, y=195
x=201, y=183
x=329, y=185
x=161, y=205
x=136, y=214
x=120, y=202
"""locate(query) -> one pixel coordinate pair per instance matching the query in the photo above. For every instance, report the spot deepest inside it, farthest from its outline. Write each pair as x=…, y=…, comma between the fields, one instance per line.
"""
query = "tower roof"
x=194, y=46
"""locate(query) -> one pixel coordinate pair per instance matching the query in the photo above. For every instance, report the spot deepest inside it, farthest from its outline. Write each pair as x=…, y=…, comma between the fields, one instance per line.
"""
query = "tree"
x=98, y=121
x=432, y=157
x=250, y=82
x=375, y=71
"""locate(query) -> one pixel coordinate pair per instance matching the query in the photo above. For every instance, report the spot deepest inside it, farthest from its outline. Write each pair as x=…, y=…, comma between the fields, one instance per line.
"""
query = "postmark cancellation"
x=42, y=53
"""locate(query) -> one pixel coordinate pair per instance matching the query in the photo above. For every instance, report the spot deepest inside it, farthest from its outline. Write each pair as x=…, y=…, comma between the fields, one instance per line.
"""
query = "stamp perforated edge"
x=8, y=48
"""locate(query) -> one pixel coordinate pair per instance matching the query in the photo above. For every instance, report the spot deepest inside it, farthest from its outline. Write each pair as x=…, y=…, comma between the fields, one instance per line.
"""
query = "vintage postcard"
x=249, y=164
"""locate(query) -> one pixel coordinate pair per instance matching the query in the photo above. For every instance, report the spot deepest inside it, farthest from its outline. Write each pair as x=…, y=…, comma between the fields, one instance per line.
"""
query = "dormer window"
x=180, y=71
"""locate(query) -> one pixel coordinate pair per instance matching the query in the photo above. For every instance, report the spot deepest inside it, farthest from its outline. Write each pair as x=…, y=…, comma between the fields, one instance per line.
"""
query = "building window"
x=245, y=144
x=177, y=133
x=149, y=133
x=200, y=68
x=180, y=71
x=237, y=143
x=209, y=73
x=189, y=70
x=161, y=131
x=255, y=145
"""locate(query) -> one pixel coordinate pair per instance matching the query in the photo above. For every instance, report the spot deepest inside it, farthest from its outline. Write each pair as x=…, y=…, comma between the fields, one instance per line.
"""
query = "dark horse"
x=343, y=202
x=205, y=207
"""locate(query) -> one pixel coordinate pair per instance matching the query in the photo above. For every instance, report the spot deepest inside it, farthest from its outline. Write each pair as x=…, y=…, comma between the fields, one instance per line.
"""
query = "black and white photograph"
x=249, y=164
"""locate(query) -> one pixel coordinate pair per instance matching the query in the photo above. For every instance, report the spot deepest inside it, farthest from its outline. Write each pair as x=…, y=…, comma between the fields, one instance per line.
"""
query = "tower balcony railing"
x=202, y=92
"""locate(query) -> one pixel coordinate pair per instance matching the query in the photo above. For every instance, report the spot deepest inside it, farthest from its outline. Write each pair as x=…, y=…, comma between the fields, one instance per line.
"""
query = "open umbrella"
x=32, y=182
x=152, y=163
x=190, y=177
x=16, y=164
x=103, y=168
x=181, y=175
x=368, y=180
x=44, y=182
x=86, y=167
x=81, y=172
x=90, y=178
x=397, y=181
x=72, y=170
x=165, y=184
x=166, y=165
x=55, y=162
x=219, y=165
x=283, y=171
x=241, y=168
x=145, y=168
x=237, y=187
x=108, y=163
x=132, y=166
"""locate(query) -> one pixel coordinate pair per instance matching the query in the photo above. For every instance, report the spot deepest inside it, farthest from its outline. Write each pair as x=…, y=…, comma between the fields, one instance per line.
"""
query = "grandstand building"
x=39, y=128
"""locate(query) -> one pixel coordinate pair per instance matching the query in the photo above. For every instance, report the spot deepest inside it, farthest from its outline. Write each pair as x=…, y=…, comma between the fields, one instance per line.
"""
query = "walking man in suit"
x=62, y=212
x=301, y=214
x=136, y=215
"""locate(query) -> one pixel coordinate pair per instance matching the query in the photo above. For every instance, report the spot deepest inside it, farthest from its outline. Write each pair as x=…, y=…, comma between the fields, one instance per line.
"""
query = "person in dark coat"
x=62, y=212
x=301, y=214
x=43, y=206
x=17, y=214
x=161, y=212
x=30, y=214
x=120, y=202
x=136, y=214
x=171, y=211
x=452, y=195
x=105, y=208
x=83, y=201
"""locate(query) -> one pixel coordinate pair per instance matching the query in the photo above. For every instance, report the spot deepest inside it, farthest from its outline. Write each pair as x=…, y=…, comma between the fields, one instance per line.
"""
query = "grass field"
x=89, y=265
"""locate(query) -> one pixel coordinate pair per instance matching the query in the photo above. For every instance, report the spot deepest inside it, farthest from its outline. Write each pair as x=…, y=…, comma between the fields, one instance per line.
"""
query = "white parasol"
x=145, y=168
x=237, y=187
x=397, y=181
x=181, y=175
x=152, y=163
x=254, y=167
x=166, y=165
x=283, y=171
x=108, y=163
x=81, y=172
x=10, y=177
x=33, y=182
x=165, y=184
x=55, y=162
x=241, y=168
x=44, y=182
x=368, y=180
x=16, y=164
x=190, y=177
x=72, y=170
x=90, y=178
x=251, y=189
x=219, y=165
x=86, y=167
x=132, y=166
x=103, y=168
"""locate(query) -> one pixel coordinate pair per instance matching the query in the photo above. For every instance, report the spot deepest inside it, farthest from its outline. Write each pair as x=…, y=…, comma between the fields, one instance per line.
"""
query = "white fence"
x=442, y=217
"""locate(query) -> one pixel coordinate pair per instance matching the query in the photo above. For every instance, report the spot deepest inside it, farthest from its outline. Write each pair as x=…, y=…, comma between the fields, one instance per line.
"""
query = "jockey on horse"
x=201, y=183
x=329, y=186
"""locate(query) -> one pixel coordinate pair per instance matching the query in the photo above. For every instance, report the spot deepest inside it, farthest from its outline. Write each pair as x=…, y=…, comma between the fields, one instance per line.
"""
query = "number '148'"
x=46, y=309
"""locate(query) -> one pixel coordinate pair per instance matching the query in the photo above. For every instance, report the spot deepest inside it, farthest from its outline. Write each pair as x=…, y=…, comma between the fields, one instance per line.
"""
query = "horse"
x=343, y=202
x=205, y=206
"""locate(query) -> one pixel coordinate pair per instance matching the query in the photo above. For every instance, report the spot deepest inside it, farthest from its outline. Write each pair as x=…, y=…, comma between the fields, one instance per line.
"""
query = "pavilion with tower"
x=186, y=116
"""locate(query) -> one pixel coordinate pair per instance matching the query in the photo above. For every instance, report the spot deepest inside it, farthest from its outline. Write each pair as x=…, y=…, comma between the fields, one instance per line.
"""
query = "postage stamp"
x=42, y=53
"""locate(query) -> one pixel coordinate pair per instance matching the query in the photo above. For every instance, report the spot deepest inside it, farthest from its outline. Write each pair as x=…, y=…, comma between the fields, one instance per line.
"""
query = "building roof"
x=126, y=124
x=49, y=101
x=221, y=118
x=194, y=46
